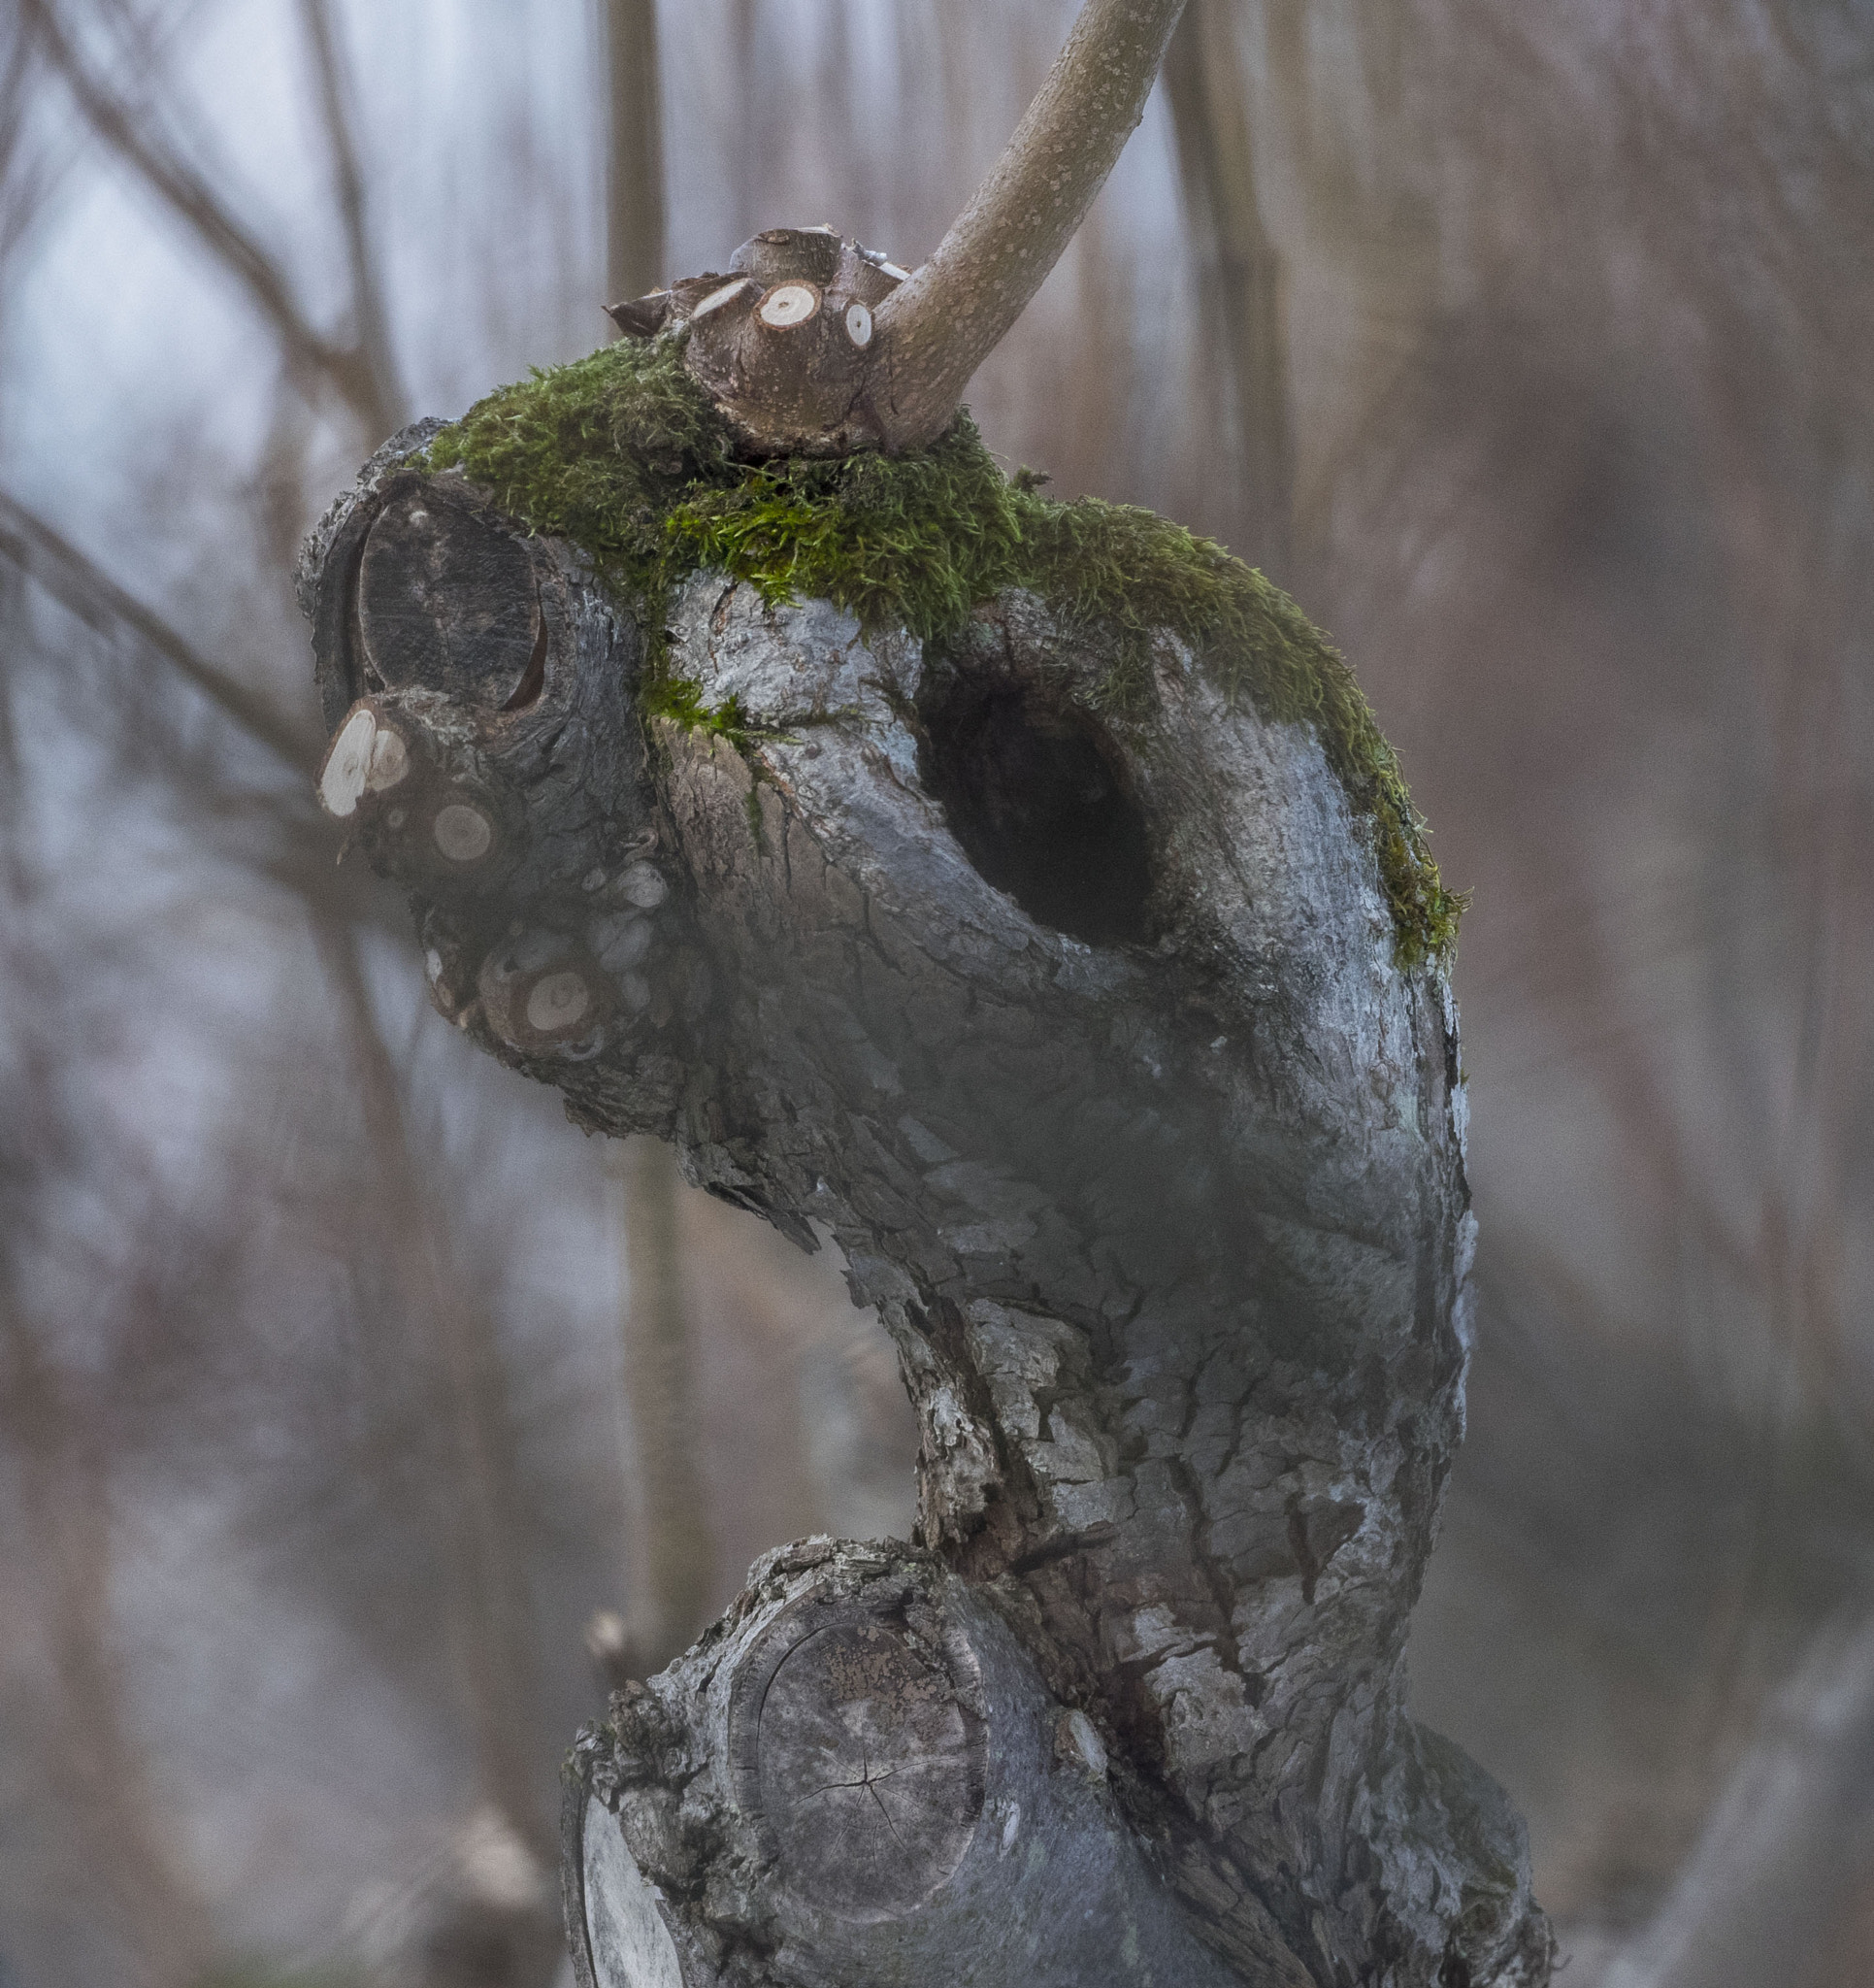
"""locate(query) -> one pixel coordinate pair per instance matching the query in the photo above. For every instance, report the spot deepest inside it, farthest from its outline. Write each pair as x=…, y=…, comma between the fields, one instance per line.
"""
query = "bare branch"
x=24, y=182
x=939, y=327
x=84, y=589
x=367, y=312
x=194, y=202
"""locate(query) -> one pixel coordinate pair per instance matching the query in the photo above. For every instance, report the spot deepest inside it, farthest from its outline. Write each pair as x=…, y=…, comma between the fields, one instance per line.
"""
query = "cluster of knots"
x=783, y=340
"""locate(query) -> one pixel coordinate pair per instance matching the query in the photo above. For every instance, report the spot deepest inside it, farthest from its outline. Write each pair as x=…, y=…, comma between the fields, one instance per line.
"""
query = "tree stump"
x=1086, y=1033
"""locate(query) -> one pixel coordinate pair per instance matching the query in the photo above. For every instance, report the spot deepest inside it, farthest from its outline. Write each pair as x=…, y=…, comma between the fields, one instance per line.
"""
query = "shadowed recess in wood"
x=1036, y=798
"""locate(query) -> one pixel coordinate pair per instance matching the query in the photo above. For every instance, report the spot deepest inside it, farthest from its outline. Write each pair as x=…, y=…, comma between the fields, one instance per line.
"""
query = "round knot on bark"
x=785, y=342
x=859, y=1751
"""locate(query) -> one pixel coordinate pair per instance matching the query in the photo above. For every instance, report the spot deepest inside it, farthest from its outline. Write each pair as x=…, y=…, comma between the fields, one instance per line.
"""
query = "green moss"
x=913, y=541
x=623, y=453
x=680, y=700
x=596, y=451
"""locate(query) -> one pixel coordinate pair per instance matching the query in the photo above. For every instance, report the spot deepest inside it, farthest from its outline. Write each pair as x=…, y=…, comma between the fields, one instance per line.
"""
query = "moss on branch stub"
x=624, y=455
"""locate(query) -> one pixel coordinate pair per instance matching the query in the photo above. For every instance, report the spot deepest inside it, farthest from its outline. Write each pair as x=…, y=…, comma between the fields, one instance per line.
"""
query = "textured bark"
x=1087, y=1039
x=783, y=340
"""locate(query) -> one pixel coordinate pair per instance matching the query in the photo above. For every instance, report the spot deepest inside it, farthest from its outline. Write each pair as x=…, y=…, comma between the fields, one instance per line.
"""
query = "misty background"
x=358, y=1416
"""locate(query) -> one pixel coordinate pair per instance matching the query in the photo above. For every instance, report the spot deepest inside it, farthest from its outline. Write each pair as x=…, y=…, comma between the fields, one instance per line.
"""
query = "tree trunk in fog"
x=56, y=1433
x=674, y=1561
x=487, y=1587
x=1762, y=1890
x=675, y=1566
x=481, y=1912
x=1246, y=335
x=152, y=1906
x=633, y=150
x=1087, y=1039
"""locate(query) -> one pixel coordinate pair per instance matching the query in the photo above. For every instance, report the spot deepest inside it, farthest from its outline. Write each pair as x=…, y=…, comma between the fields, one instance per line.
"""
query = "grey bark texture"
x=1086, y=1040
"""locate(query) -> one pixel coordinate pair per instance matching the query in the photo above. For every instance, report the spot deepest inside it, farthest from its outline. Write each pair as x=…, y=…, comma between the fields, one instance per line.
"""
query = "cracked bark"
x=1086, y=1040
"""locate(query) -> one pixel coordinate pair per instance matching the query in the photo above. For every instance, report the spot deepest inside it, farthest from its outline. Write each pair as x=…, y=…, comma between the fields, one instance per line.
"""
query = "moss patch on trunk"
x=623, y=453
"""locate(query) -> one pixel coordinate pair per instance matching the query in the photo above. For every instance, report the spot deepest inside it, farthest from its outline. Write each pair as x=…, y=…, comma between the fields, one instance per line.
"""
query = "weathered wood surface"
x=1086, y=1040
x=783, y=340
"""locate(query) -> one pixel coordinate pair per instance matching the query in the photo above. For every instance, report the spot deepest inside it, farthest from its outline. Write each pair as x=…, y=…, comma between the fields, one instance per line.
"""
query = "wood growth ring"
x=858, y=1751
x=787, y=305
x=462, y=832
x=447, y=602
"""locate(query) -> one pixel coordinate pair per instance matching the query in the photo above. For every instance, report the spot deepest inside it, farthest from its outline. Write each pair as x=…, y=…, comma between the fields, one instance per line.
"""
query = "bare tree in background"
x=675, y=1566
x=1514, y=245
x=487, y=1609
x=488, y=1603
x=633, y=150
x=58, y=1440
x=1245, y=306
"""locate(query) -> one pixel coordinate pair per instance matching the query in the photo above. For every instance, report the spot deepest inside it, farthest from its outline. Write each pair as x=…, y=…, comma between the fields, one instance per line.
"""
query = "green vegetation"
x=624, y=455
x=680, y=700
x=596, y=451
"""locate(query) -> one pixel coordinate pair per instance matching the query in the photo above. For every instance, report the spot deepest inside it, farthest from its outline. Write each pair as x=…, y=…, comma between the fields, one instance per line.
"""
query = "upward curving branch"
x=812, y=345
x=937, y=328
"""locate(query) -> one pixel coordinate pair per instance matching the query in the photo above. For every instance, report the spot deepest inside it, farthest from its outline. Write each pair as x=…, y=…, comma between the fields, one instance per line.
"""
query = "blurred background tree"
x=344, y=1389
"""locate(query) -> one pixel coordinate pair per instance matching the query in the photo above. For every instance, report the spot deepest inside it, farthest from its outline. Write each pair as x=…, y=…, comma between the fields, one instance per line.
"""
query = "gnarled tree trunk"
x=1087, y=1037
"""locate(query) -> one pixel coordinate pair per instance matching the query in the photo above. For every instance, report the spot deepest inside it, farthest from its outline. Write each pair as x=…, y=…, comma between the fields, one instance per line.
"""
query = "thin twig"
x=940, y=326
x=194, y=202
x=84, y=589
x=368, y=311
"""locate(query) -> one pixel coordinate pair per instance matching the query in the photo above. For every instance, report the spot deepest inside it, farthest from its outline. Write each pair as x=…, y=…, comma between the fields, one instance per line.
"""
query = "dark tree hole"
x=1038, y=806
